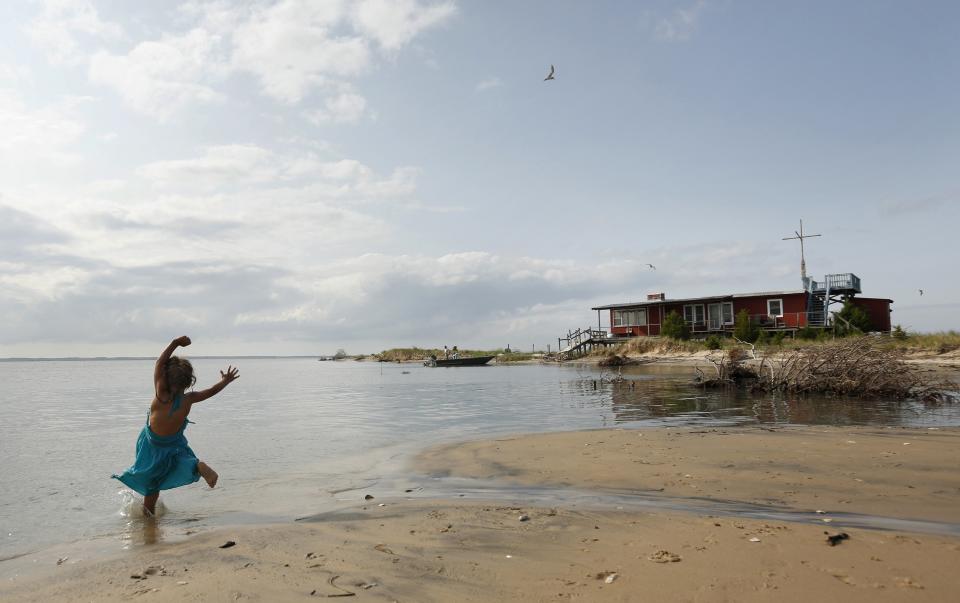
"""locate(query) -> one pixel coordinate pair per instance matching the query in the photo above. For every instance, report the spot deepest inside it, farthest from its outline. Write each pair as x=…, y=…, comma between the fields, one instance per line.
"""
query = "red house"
x=771, y=310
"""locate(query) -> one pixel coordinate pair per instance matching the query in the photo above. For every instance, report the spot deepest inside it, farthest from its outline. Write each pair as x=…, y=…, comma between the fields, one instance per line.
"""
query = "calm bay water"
x=295, y=436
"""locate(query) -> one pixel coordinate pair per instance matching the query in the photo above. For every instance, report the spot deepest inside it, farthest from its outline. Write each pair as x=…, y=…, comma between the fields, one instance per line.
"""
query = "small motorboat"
x=468, y=361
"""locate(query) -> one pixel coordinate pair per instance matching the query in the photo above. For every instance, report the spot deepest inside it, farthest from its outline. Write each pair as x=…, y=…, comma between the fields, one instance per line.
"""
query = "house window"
x=629, y=318
x=775, y=307
x=693, y=314
x=726, y=310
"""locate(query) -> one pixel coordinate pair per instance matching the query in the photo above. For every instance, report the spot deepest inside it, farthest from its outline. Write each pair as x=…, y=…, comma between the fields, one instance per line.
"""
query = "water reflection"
x=672, y=397
x=142, y=531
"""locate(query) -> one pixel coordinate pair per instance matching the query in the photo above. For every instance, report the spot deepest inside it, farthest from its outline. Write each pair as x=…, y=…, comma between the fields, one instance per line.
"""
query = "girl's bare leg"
x=150, y=504
x=207, y=474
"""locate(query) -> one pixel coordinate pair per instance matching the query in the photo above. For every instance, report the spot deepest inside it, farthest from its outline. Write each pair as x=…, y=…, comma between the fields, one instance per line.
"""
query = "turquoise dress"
x=163, y=462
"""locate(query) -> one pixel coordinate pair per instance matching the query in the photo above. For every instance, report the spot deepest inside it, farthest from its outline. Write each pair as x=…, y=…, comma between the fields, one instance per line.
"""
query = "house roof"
x=669, y=301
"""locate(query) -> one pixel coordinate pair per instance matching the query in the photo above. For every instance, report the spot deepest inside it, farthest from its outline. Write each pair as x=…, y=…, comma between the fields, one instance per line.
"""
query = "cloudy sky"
x=297, y=176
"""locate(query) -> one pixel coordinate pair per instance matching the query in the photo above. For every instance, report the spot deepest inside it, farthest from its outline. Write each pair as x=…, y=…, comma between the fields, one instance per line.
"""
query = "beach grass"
x=913, y=343
x=413, y=354
x=939, y=343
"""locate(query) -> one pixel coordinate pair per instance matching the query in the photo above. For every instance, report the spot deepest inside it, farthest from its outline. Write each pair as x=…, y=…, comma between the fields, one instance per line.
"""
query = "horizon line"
x=214, y=356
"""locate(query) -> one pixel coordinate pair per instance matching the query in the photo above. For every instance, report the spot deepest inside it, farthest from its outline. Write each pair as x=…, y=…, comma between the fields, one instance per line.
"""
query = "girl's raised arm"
x=159, y=370
x=231, y=374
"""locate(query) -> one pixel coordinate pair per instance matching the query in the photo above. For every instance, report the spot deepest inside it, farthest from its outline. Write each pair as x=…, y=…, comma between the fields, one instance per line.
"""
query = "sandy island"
x=462, y=550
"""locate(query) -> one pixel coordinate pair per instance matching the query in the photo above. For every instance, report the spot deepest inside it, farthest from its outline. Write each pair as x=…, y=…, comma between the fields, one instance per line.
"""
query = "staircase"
x=832, y=289
x=580, y=341
x=816, y=310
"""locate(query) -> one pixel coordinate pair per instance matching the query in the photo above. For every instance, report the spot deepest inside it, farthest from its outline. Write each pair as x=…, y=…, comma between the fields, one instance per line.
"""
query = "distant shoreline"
x=114, y=358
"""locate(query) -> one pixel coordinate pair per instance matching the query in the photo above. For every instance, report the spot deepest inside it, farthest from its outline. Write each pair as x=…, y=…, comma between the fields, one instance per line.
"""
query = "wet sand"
x=461, y=550
x=895, y=472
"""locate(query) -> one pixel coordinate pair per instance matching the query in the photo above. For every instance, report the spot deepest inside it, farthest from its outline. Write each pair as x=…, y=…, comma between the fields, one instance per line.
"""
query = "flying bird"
x=550, y=75
x=652, y=267
x=921, y=292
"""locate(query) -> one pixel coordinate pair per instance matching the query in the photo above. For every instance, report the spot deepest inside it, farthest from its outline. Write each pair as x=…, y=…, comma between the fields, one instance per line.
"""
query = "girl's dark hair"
x=179, y=375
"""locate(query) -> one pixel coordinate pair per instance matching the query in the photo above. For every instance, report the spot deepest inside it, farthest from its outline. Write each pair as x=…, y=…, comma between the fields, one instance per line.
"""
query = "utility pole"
x=803, y=261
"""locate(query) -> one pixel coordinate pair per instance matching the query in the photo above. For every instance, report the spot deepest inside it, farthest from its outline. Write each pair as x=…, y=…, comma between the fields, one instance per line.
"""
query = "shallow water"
x=295, y=436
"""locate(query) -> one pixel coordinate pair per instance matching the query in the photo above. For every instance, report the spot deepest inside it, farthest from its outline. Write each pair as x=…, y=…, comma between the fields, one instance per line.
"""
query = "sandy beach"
x=404, y=549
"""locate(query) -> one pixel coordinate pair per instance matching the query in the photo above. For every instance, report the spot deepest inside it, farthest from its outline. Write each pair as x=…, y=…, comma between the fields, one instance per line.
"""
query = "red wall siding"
x=794, y=309
x=877, y=309
x=794, y=312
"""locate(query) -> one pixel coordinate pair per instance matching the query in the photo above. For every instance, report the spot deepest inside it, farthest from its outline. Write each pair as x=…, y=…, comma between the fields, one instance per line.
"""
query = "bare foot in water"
x=150, y=504
x=207, y=474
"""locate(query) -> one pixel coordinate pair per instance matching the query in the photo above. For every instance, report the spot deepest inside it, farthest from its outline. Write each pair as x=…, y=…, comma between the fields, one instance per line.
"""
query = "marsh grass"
x=938, y=343
x=419, y=354
x=932, y=343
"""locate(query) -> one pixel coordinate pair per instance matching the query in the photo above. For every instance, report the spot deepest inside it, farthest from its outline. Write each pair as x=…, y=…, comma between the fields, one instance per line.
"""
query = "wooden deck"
x=583, y=341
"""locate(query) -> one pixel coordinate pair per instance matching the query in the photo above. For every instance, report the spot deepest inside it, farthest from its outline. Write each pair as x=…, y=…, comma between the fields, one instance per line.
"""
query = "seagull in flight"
x=651, y=266
x=550, y=75
x=921, y=292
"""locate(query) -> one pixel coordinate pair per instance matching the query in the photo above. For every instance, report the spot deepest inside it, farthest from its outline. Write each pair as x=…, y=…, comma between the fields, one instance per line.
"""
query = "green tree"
x=855, y=316
x=899, y=333
x=714, y=342
x=744, y=328
x=674, y=327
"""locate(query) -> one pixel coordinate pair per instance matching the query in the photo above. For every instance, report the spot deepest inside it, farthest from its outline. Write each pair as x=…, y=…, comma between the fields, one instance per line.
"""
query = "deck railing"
x=838, y=282
x=789, y=320
x=580, y=336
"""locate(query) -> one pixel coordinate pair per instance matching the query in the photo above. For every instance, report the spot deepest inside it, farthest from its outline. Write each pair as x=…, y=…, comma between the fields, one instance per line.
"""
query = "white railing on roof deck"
x=842, y=282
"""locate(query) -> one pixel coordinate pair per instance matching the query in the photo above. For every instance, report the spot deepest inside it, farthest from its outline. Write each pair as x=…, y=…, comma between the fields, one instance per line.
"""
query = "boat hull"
x=472, y=361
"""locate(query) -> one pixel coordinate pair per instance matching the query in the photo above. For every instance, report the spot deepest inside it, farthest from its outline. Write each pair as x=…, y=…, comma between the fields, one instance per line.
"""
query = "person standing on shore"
x=164, y=459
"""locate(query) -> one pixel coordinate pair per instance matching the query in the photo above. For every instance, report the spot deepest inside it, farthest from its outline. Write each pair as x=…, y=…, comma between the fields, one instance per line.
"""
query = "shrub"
x=778, y=337
x=807, y=333
x=744, y=328
x=856, y=316
x=674, y=327
x=763, y=338
x=898, y=333
x=714, y=342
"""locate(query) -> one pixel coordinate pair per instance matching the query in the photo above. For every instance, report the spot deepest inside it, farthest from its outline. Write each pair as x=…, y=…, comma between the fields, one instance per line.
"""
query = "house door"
x=715, y=317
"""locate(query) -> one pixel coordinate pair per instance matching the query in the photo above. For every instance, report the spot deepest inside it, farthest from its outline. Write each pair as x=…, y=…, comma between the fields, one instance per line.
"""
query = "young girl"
x=164, y=459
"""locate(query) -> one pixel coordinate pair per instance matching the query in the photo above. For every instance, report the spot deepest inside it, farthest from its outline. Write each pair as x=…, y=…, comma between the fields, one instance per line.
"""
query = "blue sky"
x=284, y=176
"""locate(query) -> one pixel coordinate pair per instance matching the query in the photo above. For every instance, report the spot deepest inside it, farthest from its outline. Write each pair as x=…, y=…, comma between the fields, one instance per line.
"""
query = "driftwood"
x=615, y=360
x=854, y=366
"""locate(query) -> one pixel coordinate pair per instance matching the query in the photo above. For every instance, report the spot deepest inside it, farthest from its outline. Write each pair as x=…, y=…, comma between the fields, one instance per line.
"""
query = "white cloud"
x=294, y=174
x=218, y=166
x=36, y=137
x=490, y=82
x=680, y=25
x=393, y=23
x=61, y=22
x=293, y=47
x=344, y=107
x=11, y=75
x=160, y=77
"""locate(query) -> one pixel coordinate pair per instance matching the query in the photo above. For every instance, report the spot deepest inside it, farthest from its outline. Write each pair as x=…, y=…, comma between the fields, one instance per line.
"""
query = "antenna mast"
x=803, y=261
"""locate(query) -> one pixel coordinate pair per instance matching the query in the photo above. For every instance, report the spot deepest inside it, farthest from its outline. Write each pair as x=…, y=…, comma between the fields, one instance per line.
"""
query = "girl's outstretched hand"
x=231, y=374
